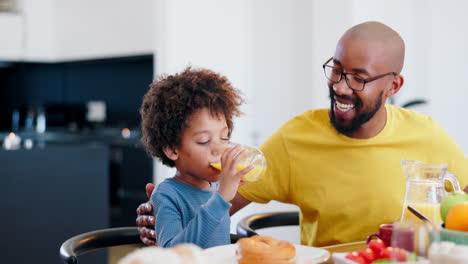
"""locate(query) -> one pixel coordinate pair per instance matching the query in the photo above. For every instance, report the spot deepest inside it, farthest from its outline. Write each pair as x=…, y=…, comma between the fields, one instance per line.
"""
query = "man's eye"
x=336, y=71
x=357, y=79
x=225, y=139
x=204, y=142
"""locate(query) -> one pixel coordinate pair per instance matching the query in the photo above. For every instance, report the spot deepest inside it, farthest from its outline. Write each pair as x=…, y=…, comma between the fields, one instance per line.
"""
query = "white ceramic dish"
x=227, y=254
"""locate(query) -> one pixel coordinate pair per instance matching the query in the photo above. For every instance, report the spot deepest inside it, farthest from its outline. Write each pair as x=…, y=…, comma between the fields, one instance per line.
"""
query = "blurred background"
x=73, y=74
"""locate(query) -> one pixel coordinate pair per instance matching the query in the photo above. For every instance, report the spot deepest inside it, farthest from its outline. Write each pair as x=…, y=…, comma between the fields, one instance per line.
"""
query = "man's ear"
x=397, y=83
x=171, y=153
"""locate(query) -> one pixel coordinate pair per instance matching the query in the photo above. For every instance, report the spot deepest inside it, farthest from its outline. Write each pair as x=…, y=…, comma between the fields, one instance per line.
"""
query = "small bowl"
x=457, y=237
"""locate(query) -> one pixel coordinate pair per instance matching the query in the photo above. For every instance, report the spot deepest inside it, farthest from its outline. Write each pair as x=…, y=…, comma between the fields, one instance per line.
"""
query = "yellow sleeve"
x=275, y=182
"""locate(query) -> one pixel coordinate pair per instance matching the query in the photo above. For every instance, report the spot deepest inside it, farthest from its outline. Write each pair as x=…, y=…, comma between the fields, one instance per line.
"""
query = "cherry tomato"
x=377, y=246
x=394, y=253
x=354, y=256
x=367, y=254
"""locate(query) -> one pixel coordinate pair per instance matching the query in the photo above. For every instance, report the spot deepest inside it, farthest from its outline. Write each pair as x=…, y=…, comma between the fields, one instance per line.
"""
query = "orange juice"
x=251, y=176
x=431, y=210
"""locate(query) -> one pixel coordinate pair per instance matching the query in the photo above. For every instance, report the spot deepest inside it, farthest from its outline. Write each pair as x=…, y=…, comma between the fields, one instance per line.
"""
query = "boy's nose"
x=219, y=149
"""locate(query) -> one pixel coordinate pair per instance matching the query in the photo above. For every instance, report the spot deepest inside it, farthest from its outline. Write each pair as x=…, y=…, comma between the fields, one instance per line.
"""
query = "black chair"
x=104, y=238
x=247, y=225
x=84, y=243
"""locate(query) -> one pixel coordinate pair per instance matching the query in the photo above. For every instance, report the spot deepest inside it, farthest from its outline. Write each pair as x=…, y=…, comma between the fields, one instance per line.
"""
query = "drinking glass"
x=411, y=236
x=253, y=156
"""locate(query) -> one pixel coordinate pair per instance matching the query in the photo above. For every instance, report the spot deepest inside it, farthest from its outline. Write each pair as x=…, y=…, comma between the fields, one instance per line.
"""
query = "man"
x=341, y=165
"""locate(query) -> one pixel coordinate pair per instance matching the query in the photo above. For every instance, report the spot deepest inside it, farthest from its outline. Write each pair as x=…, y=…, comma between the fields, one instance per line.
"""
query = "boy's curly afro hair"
x=171, y=100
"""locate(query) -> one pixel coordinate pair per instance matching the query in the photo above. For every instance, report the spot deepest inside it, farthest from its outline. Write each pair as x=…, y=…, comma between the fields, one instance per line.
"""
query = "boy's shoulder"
x=168, y=185
x=164, y=192
x=166, y=188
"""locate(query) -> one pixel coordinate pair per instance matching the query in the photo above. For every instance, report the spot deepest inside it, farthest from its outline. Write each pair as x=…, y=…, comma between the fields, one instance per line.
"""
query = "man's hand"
x=145, y=221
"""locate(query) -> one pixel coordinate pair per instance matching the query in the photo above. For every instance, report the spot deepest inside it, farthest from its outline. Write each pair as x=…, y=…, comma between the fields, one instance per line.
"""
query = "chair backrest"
x=83, y=243
x=110, y=237
x=247, y=225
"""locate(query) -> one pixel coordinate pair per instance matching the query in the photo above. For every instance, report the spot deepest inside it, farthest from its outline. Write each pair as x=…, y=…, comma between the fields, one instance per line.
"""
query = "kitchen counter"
x=112, y=136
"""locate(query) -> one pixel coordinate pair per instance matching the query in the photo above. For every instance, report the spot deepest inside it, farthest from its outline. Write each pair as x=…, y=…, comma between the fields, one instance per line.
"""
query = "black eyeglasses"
x=354, y=81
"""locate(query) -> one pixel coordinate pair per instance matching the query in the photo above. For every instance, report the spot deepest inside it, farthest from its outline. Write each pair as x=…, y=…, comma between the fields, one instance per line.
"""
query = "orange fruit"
x=457, y=217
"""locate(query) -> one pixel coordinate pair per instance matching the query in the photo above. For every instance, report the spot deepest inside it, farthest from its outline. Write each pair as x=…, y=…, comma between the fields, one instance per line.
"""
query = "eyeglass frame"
x=367, y=80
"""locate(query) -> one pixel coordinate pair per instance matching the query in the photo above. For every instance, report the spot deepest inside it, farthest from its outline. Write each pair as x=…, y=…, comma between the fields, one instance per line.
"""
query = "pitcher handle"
x=453, y=180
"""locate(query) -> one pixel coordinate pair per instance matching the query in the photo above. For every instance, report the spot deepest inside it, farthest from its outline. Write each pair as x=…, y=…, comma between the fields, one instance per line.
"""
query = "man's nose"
x=342, y=87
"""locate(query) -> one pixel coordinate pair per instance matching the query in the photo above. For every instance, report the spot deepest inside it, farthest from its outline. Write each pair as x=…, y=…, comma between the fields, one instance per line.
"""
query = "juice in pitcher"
x=431, y=210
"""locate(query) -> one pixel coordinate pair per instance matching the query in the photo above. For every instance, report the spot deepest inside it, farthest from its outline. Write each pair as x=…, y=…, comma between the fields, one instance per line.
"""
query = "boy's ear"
x=171, y=153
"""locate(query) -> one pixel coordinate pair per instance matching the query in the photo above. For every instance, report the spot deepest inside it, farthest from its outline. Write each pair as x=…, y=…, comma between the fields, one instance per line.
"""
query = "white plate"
x=227, y=254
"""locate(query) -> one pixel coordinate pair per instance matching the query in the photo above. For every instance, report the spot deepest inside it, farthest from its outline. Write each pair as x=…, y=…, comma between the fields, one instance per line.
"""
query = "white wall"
x=436, y=38
x=448, y=70
x=60, y=30
x=11, y=25
x=211, y=34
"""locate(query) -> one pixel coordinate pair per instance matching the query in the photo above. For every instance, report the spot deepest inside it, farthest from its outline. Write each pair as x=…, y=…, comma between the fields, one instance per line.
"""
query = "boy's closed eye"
x=225, y=140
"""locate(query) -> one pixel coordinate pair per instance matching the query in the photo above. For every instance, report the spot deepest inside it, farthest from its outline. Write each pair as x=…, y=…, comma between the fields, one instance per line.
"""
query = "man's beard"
x=360, y=118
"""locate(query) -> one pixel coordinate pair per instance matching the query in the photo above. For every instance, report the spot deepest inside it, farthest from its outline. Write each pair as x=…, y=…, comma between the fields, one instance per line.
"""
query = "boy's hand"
x=145, y=221
x=230, y=178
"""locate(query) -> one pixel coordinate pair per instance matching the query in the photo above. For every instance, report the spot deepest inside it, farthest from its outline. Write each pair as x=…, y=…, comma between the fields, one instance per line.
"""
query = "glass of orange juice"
x=255, y=157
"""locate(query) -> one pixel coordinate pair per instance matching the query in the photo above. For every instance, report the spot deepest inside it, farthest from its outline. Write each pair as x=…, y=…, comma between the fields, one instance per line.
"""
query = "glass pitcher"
x=425, y=187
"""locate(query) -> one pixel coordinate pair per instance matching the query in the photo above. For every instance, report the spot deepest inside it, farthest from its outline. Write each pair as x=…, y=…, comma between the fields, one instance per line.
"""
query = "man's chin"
x=342, y=126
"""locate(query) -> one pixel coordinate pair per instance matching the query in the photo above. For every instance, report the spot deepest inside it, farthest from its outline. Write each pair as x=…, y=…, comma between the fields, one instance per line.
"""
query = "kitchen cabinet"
x=49, y=195
x=66, y=30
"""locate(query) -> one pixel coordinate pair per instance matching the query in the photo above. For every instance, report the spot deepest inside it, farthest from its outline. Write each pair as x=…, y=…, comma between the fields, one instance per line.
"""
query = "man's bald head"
x=373, y=31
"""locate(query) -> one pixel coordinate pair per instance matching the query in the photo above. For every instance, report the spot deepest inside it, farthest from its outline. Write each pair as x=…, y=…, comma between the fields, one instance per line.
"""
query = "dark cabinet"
x=49, y=195
x=130, y=169
x=52, y=193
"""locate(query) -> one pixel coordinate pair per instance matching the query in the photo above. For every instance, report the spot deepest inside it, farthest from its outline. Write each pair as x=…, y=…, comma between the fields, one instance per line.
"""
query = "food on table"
x=457, y=217
x=448, y=252
x=367, y=254
x=264, y=250
x=377, y=246
x=450, y=200
x=183, y=253
x=393, y=253
x=251, y=176
x=354, y=256
x=376, y=252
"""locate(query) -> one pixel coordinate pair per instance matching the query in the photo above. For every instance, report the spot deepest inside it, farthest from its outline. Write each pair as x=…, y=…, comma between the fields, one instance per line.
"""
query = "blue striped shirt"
x=185, y=214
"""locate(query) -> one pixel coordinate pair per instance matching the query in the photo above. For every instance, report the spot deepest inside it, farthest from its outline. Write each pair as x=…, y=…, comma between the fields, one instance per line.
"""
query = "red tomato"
x=377, y=246
x=393, y=253
x=354, y=256
x=367, y=254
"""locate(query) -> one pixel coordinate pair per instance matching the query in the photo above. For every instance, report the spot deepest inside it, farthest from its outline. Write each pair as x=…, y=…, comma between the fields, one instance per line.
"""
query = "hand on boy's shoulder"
x=145, y=221
x=149, y=189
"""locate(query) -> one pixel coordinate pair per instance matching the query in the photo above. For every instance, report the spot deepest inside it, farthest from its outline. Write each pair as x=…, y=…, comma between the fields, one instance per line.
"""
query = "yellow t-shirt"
x=347, y=187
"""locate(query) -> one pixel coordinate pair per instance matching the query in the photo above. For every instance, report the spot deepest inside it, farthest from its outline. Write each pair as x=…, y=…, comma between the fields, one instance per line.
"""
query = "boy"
x=187, y=123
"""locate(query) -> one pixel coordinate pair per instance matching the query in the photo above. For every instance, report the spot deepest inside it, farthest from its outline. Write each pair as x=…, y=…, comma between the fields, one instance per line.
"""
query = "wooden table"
x=347, y=247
